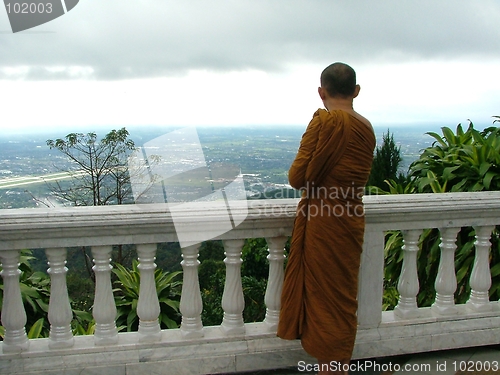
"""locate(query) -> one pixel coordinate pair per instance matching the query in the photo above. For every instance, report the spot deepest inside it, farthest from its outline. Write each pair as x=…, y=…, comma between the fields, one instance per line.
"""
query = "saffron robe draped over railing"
x=319, y=298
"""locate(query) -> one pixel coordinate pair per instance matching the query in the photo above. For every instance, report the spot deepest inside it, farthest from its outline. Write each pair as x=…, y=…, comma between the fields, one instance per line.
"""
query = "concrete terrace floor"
x=468, y=361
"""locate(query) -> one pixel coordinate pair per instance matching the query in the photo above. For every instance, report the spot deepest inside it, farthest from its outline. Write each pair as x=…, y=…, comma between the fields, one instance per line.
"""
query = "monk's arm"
x=297, y=172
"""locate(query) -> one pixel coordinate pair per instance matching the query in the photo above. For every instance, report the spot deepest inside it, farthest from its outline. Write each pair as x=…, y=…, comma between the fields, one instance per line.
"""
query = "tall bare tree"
x=100, y=174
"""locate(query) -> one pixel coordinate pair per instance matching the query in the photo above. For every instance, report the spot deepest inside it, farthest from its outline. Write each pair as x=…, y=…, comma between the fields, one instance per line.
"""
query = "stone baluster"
x=191, y=305
x=446, y=279
x=104, y=309
x=408, y=284
x=148, y=306
x=60, y=313
x=480, y=280
x=272, y=297
x=233, y=302
x=13, y=313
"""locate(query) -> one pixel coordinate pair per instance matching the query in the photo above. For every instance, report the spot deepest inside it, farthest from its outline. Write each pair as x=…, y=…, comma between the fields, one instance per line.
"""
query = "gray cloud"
x=115, y=39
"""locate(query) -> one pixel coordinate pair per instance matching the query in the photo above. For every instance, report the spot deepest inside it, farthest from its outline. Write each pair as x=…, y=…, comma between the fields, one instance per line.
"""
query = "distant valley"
x=263, y=154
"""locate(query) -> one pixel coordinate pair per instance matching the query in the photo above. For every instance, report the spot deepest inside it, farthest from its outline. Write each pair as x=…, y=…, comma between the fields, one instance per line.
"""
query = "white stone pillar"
x=191, y=305
x=272, y=297
x=13, y=313
x=148, y=306
x=446, y=279
x=60, y=313
x=104, y=309
x=480, y=280
x=408, y=284
x=233, y=301
x=371, y=278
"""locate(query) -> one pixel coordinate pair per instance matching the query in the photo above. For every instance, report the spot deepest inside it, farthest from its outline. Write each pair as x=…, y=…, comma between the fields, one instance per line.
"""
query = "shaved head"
x=338, y=79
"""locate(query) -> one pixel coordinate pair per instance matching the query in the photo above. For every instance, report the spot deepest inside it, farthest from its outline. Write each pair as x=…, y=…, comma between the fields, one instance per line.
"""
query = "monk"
x=319, y=298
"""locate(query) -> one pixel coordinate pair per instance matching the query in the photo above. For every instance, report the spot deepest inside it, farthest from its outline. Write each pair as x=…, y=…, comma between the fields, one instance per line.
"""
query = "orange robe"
x=319, y=298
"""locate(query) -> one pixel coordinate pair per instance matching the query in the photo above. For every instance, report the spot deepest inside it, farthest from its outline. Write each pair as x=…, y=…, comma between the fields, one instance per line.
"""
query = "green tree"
x=386, y=163
x=100, y=176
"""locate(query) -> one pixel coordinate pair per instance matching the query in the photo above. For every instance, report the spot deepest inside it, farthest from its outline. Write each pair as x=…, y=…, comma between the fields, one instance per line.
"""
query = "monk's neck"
x=331, y=104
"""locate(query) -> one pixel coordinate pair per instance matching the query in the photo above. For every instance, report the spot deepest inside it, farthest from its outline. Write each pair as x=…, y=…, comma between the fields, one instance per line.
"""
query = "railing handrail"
x=114, y=225
x=454, y=209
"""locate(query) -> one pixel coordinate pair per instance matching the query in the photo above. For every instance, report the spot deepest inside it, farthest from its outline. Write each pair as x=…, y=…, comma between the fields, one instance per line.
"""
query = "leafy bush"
x=127, y=297
x=462, y=161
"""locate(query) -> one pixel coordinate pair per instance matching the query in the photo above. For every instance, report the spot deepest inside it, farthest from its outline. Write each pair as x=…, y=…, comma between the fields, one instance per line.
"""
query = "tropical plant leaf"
x=36, y=329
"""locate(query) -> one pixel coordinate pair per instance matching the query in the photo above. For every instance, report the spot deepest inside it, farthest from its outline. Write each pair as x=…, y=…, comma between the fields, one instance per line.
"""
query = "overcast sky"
x=116, y=63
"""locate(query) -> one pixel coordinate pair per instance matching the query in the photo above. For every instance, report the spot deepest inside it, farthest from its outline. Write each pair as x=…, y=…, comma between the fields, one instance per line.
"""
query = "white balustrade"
x=148, y=306
x=272, y=297
x=191, y=305
x=408, y=284
x=480, y=280
x=60, y=313
x=233, y=301
x=13, y=313
x=104, y=309
x=407, y=329
x=446, y=279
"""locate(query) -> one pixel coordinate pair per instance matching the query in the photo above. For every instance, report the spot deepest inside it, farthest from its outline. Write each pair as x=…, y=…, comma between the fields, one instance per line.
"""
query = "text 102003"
x=475, y=366
x=29, y=8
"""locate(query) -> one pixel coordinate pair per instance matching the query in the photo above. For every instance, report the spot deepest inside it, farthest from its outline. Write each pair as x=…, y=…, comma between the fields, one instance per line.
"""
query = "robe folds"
x=319, y=298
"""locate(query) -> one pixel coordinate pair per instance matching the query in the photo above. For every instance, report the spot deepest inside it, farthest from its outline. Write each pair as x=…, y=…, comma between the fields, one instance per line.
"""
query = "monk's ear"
x=321, y=93
x=356, y=91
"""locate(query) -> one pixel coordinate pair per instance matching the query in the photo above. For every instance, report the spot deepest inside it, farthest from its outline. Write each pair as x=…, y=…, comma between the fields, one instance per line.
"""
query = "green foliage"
x=254, y=290
x=211, y=250
x=461, y=161
x=80, y=290
x=35, y=294
x=212, y=275
x=168, y=289
x=83, y=323
x=255, y=272
x=254, y=255
x=386, y=163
